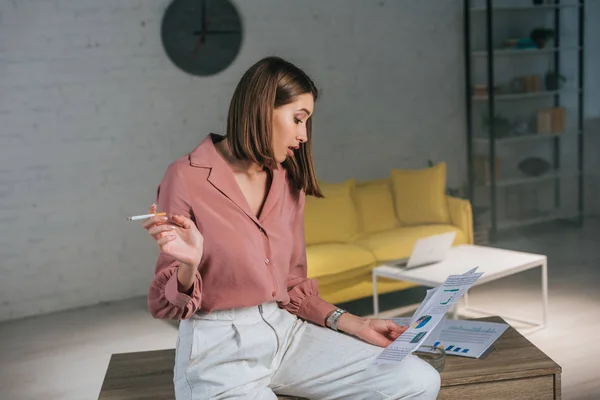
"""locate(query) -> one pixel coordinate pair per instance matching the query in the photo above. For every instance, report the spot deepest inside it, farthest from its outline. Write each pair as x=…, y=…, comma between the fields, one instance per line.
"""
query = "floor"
x=64, y=355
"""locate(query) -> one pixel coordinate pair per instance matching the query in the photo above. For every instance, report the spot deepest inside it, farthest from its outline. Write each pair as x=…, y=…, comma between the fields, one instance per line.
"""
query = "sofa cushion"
x=334, y=261
x=420, y=195
x=398, y=243
x=375, y=206
x=332, y=219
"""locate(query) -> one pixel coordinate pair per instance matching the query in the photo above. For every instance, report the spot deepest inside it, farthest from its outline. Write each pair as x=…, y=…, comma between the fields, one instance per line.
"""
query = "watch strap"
x=334, y=317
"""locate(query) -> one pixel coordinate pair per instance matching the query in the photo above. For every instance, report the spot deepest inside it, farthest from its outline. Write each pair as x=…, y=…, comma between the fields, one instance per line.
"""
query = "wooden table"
x=515, y=369
x=145, y=375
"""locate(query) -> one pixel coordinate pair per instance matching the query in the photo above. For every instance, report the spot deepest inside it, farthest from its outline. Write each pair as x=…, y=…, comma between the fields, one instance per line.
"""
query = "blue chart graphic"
x=421, y=322
x=452, y=348
x=418, y=337
x=454, y=293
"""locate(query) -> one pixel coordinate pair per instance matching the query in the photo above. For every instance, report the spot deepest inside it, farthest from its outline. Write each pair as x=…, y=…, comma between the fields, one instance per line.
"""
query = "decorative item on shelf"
x=544, y=121
x=482, y=90
x=519, y=44
x=481, y=169
x=551, y=120
x=554, y=81
x=540, y=36
x=534, y=166
x=521, y=128
x=505, y=128
x=532, y=83
x=526, y=84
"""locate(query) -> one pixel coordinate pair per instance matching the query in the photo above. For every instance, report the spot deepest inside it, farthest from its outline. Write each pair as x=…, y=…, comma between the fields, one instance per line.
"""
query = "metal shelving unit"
x=484, y=19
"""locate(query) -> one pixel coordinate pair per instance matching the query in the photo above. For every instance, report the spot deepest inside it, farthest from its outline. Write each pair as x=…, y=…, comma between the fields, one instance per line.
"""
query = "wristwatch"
x=333, y=318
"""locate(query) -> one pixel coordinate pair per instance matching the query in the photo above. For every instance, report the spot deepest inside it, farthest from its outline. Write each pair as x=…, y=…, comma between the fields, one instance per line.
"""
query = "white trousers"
x=255, y=352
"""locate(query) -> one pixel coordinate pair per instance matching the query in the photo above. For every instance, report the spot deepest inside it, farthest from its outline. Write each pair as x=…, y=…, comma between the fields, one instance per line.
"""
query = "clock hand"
x=197, y=47
x=204, y=22
x=201, y=39
x=202, y=32
x=203, y=15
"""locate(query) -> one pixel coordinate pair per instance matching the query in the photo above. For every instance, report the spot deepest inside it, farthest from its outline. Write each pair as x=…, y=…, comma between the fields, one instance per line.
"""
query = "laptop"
x=427, y=251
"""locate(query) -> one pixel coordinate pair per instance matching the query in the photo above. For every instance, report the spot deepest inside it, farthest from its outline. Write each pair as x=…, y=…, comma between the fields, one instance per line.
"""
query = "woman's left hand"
x=379, y=332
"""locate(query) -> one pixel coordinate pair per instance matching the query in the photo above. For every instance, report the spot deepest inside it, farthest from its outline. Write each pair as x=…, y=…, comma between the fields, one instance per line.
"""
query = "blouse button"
x=267, y=261
x=273, y=294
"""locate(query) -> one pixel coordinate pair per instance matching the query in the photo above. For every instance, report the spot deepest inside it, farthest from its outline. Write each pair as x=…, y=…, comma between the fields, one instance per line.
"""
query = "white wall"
x=92, y=112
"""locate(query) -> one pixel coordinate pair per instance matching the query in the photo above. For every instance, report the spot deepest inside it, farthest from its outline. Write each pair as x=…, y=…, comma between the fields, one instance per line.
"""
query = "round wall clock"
x=201, y=37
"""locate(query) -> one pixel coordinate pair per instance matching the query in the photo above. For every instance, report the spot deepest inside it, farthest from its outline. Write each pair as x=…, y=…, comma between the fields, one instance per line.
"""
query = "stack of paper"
x=427, y=317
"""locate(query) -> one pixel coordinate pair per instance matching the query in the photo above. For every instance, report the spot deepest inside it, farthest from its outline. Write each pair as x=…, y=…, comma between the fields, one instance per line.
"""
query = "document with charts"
x=464, y=338
x=432, y=310
x=472, y=339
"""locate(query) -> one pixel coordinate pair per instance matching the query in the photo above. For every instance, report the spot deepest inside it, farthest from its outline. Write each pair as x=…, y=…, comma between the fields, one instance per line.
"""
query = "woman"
x=232, y=264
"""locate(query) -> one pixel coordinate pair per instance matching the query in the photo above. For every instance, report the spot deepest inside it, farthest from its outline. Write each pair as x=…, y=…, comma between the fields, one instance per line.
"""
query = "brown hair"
x=270, y=83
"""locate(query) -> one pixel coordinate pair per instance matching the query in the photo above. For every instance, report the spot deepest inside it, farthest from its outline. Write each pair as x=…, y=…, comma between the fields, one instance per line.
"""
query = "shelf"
x=521, y=180
x=524, y=52
x=530, y=95
x=521, y=222
x=490, y=52
x=530, y=137
x=526, y=8
x=516, y=96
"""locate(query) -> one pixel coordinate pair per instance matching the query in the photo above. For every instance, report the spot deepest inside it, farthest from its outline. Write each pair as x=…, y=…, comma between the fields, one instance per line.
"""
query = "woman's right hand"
x=184, y=242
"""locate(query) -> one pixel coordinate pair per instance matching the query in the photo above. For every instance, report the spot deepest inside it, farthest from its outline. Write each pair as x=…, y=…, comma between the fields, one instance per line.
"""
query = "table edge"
x=503, y=376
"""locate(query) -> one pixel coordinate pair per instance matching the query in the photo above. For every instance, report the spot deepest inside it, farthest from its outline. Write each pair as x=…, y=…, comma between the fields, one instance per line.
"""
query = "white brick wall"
x=92, y=112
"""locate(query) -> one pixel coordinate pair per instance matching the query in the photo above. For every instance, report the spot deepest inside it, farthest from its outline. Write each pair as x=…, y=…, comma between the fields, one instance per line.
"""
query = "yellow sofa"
x=359, y=225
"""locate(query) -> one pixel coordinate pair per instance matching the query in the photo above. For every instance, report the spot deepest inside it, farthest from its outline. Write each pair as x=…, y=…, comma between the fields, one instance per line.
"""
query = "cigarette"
x=136, y=217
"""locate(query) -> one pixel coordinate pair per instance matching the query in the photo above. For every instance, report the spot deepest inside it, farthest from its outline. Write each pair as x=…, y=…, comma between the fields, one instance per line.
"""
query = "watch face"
x=201, y=37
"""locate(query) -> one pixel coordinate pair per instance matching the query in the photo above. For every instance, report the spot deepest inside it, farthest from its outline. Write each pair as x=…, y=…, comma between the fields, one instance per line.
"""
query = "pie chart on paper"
x=421, y=322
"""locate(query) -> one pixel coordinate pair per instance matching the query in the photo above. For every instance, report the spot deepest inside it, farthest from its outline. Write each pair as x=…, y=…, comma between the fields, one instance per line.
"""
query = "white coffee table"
x=494, y=263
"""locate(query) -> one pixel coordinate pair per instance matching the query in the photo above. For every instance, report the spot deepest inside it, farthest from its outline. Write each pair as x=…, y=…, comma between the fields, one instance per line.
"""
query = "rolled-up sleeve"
x=165, y=299
x=305, y=301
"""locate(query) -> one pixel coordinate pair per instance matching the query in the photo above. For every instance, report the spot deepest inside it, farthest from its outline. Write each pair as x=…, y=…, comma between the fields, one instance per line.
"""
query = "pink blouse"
x=247, y=260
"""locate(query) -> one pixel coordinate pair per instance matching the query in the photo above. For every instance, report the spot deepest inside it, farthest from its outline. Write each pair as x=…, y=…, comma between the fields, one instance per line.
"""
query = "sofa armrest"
x=461, y=215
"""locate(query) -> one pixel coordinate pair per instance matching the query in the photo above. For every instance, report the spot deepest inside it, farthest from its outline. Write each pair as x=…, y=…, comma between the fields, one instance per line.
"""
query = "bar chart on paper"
x=466, y=338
